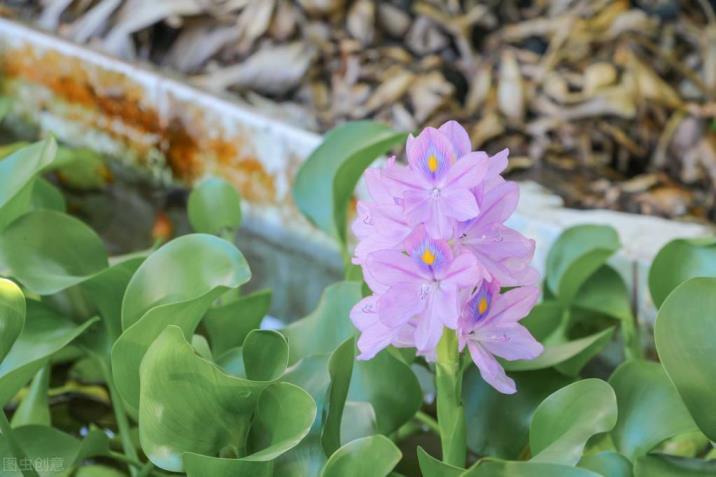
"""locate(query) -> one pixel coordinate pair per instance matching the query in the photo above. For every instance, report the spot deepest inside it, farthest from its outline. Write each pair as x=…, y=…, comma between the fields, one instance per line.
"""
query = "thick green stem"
x=451, y=414
x=15, y=449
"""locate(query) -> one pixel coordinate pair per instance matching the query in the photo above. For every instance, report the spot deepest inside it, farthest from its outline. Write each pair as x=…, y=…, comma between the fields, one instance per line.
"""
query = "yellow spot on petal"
x=432, y=163
x=482, y=306
x=428, y=257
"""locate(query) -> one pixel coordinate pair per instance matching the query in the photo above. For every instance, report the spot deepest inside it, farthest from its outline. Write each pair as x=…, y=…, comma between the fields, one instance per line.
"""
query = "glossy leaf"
x=678, y=261
x=495, y=468
x=182, y=393
x=608, y=464
x=35, y=406
x=17, y=172
x=373, y=456
x=227, y=325
x=575, y=354
x=197, y=465
x=47, y=196
x=48, y=251
x=214, y=207
x=51, y=451
x=544, y=318
x=12, y=315
x=265, y=355
x=432, y=467
x=658, y=465
x=498, y=424
x=563, y=423
x=325, y=182
x=605, y=292
x=44, y=334
x=685, y=327
x=340, y=368
x=376, y=381
x=650, y=409
x=202, y=267
x=327, y=326
x=577, y=253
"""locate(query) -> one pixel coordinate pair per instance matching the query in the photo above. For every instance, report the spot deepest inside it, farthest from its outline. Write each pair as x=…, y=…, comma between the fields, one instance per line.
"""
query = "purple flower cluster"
x=435, y=252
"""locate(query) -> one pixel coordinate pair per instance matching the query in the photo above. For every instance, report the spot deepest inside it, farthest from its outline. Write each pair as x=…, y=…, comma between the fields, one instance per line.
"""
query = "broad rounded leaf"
x=650, y=409
x=605, y=292
x=214, y=207
x=495, y=468
x=432, y=467
x=574, y=354
x=608, y=464
x=227, y=325
x=327, y=326
x=201, y=267
x=12, y=315
x=17, y=172
x=373, y=456
x=48, y=251
x=188, y=405
x=44, y=334
x=576, y=254
x=564, y=422
x=197, y=465
x=325, y=182
x=657, y=465
x=684, y=332
x=265, y=355
x=498, y=424
x=678, y=261
x=46, y=196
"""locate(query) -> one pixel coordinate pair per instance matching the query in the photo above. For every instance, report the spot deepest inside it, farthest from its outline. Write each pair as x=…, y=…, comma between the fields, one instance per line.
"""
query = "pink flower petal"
x=428, y=333
x=463, y=272
x=400, y=303
x=490, y=370
x=430, y=155
x=460, y=204
x=467, y=172
x=510, y=341
x=512, y=306
x=391, y=267
x=443, y=306
x=457, y=136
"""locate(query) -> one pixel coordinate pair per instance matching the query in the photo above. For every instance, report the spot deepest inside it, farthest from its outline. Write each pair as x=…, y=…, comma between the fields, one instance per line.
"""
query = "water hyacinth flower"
x=435, y=250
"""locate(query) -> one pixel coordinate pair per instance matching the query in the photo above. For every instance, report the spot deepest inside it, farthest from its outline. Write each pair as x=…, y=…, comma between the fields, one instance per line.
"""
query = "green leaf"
x=197, y=465
x=35, y=406
x=214, y=207
x=188, y=405
x=340, y=368
x=605, y=292
x=659, y=465
x=12, y=315
x=81, y=169
x=227, y=325
x=574, y=354
x=495, y=468
x=578, y=252
x=327, y=326
x=265, y=355
x=44, y=334
x=48, y=251
x=678, y=261
x=47, y=196
x=432, y=467
x=376, y=380
x=564, y=422
x=543, y=319
x=684, y=331
x=202, y=267
x=608, y=464
x=51, y=451
x=498, y=424
x=325, y=182
x=17, y=172
x=650, y=409
x=373, y=456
